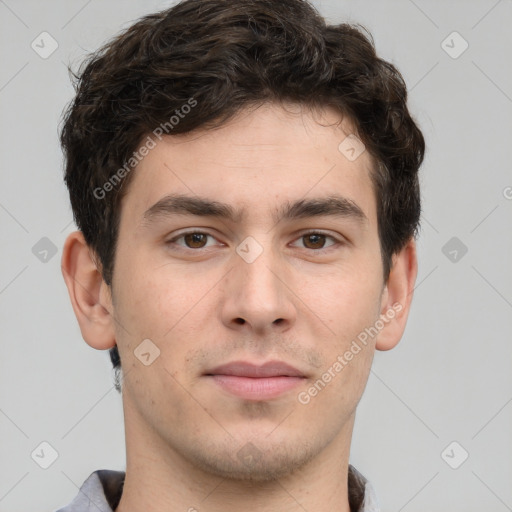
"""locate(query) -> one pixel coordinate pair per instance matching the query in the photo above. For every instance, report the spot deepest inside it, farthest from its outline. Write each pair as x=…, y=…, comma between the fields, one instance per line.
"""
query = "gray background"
x=448, y=380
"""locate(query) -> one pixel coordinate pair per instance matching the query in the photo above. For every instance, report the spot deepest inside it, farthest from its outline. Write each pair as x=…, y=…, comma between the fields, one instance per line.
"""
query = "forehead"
x=261, y=157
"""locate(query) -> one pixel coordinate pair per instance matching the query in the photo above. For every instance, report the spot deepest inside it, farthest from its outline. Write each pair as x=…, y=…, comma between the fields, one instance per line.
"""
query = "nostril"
x=240, y=321
x=278, y=321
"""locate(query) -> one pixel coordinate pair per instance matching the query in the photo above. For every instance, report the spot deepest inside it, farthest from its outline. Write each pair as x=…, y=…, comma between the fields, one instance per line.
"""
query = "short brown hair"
x=221, y=56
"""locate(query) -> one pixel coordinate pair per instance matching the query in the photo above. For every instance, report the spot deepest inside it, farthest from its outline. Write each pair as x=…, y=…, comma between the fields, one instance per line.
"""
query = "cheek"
x=349, y=307
x=346, y=299
x=164, y=304
x=153, y=295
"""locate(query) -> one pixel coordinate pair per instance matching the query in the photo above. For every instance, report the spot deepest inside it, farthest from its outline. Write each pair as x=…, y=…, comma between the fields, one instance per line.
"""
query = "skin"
x=191, y=444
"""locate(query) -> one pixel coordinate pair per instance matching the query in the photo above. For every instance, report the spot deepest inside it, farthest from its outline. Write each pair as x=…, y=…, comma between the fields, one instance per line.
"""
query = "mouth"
x=256, y=382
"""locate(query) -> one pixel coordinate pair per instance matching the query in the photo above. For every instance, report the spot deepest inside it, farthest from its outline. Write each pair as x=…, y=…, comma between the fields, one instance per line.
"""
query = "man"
x=245, y=182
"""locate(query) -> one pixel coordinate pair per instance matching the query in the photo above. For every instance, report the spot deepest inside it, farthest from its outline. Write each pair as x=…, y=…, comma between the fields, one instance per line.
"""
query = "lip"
x=256, y=382
x=246, y=369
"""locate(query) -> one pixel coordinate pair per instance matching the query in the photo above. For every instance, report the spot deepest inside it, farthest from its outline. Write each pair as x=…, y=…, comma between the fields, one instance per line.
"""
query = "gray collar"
x=102, y=491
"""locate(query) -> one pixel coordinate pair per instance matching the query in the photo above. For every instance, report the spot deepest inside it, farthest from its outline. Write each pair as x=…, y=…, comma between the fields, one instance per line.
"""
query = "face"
x=249, y=257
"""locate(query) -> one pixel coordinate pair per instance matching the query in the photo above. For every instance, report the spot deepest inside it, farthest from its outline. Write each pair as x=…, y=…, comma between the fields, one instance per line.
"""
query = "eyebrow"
x=177, y=204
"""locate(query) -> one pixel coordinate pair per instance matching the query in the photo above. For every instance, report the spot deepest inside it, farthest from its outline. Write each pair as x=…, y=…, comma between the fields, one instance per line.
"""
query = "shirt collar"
x=102, y=490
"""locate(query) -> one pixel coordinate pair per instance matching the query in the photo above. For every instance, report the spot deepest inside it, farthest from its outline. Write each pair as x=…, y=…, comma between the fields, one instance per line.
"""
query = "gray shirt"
x=102, y=490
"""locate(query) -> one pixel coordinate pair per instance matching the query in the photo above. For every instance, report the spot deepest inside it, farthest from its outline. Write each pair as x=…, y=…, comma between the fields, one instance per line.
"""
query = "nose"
x=257, y=297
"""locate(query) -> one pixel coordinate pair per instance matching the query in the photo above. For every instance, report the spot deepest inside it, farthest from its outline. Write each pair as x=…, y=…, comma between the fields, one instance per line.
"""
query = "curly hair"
x=220, y=57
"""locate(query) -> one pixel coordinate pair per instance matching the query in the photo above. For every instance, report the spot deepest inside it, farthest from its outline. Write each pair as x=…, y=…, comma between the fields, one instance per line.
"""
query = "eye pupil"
x=195, y=240
x=317, y=241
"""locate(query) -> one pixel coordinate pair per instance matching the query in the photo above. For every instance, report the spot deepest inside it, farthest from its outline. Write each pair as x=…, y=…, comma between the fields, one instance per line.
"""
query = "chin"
x=253, y=462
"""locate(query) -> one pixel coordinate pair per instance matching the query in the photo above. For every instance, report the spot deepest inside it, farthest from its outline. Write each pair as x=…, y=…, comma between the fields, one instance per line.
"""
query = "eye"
x=192, y=240
x=316, y=241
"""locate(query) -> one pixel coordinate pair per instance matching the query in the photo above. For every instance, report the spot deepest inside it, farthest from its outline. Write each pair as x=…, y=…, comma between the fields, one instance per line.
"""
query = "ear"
x=397, y=297
x=90, y=296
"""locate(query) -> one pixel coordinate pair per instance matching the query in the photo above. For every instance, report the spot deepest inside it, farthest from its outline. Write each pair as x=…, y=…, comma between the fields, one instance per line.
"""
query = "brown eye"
x=314, y=241
x=195, y=240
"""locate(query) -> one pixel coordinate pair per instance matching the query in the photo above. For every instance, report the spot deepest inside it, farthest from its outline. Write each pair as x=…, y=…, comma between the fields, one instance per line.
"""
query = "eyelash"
x=309, y=233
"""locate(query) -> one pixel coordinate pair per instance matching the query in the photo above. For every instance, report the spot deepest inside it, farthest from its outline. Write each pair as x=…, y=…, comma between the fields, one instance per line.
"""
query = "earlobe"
x=89, y=294
x=397, y=297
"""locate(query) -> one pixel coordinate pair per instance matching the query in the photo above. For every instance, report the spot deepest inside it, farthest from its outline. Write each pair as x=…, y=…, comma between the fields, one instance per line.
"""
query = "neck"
x=159, y=479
